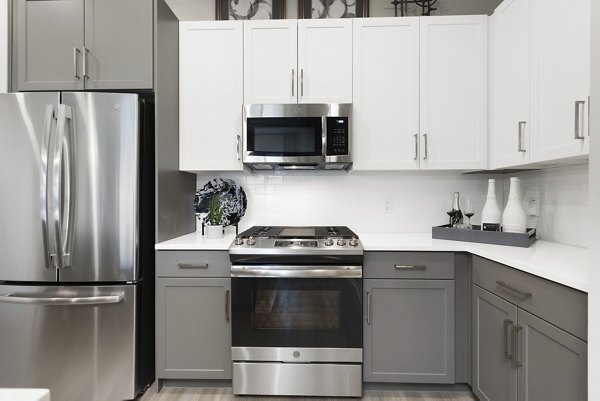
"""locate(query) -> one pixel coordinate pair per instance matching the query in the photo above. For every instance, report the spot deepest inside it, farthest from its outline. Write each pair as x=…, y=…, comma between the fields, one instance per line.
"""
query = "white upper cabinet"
x=560, y=42
x=298, y=61
x=454, y=92
x=386, y=93
x=270, y=61
x=210, y=95
x=3, y=46
x=511, y=124
x=325, y=60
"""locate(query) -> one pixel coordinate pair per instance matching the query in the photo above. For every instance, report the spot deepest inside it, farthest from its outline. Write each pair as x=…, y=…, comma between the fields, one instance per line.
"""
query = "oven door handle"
x=297, y=271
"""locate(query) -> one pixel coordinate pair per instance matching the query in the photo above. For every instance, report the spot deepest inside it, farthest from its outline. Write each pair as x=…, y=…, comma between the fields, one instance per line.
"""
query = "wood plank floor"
x=224, y=394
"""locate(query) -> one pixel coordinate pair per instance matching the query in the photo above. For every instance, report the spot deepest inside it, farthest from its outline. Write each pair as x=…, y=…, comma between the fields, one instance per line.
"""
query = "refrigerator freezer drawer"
x=77, y=341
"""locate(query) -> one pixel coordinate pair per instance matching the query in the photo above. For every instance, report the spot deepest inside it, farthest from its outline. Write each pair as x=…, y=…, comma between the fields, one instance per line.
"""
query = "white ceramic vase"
x=490, y=215
x=213, y=232
x=514, y=219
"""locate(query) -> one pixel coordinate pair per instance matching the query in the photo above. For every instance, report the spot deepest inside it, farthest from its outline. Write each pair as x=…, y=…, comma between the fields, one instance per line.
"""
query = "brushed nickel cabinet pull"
x=516, y=349
x=521, y=130
x=192, y=266
x=301, y=81
x=416, y=147
x=76, y=52
x=237, y=146
x=523, y=294
x=426, y=147
x=293, y=82
x=410, y=267
x=227, y=304
x=507, y=323
x=368, y=307
x=578, y=119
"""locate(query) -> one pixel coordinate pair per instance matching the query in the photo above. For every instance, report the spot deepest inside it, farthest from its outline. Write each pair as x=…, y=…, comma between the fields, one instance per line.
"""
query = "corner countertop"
x=564, y=264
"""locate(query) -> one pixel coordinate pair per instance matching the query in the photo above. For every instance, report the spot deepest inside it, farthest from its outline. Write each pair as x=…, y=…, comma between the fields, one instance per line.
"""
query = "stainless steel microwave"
x=297, y=136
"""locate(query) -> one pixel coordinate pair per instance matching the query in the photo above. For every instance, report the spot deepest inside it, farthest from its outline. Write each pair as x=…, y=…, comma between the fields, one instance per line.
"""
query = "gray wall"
x=205, y=10
x=594, y=294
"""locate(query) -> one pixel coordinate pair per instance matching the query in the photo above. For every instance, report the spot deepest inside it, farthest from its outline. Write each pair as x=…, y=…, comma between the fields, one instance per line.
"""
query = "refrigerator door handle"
x=97, y=300
x=62, y=167
x=45, y=192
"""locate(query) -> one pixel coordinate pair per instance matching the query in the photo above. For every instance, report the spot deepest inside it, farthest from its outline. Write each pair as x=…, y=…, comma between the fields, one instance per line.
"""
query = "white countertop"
x=24, y=394
x=564, y=264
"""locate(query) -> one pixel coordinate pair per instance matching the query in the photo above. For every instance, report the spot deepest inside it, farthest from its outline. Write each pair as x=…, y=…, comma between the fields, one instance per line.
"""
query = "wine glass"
x=469, y=212
x=450, y=211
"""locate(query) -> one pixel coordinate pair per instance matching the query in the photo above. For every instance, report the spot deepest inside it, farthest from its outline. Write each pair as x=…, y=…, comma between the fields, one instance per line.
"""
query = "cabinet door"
x=409, y=331
x=270, y=61
x=386, y=93
x=494, y=375
x=510, y=84
x=119, y=41
x=211, y=95
x=454, y=92
x=554, y=362
x=193, y=329
x=325, y=60
x=47, y=45
x=560, y=78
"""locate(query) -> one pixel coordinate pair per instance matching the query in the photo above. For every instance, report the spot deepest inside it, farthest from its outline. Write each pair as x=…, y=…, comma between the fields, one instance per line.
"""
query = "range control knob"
x=328, y=242
x=239, y=241
x=341, y=242
x=353, y=242
x=250, y=241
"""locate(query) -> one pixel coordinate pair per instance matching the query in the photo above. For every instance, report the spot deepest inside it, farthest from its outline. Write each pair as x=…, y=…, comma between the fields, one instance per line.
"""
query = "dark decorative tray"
x=522, y=240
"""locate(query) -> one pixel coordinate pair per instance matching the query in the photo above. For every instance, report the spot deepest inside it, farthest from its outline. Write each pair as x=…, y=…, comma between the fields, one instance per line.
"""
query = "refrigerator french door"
x=71, y=280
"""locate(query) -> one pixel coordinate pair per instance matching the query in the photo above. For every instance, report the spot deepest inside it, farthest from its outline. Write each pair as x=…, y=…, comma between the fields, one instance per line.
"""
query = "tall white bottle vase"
x=490, y=215
x=514, y=219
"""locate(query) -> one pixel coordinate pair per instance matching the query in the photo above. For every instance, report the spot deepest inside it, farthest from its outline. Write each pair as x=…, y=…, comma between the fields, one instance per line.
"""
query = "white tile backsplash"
x=417, y=199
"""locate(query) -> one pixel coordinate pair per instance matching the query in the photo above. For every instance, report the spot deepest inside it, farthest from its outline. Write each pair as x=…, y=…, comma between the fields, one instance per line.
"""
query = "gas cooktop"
x=311, y=232
x=323, y=240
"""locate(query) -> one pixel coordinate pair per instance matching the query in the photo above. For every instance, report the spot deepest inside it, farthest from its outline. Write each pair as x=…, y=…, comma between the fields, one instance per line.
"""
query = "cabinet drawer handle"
x=227, y=305
x=523, y=294
x=416, y=147
x=516, y=349
x=507, y=323
x=578, y=119
x=292, y=82
x=76, y=52
x=301, y=81
x=426, y=147
x=368, y=307
x=237, y=146
x=85, y=64
x=410, y=267
x=192, y=266
x=521, y=130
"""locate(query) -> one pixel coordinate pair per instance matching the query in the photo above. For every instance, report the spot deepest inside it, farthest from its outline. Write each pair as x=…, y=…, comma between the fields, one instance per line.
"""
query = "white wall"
x=3, y=46
x=417, y=199
x=594, y=221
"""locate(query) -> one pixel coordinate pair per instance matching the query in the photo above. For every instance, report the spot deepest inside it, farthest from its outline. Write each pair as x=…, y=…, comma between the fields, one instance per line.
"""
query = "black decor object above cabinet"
x=82, y=44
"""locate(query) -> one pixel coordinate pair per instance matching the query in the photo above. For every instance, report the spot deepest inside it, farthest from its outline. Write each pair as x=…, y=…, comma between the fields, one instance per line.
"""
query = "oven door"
x=307, y=313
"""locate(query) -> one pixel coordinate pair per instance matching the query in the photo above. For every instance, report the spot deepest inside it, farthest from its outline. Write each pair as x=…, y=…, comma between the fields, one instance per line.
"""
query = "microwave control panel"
x=337, y=136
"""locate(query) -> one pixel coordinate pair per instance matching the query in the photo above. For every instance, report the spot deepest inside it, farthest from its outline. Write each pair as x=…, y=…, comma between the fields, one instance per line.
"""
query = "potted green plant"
x=214, y=219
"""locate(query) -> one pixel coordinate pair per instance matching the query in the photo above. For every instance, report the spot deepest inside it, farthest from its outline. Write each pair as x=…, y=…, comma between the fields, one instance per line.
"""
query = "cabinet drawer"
x=192, y=264
x=560, y=305
x=403, y=265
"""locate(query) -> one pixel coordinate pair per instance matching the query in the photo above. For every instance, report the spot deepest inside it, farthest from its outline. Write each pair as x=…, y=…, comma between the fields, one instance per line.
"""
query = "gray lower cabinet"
x=554, y=362
x=193, y=328
x=518, y=356
x=82, y=44
x=494, y=374
x=409, y=331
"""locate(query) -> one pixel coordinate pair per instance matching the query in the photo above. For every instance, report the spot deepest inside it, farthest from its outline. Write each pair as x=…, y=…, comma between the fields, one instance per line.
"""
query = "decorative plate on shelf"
x=232, y=197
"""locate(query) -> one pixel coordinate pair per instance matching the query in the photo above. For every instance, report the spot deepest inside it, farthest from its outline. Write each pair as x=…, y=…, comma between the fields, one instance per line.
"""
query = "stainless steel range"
x=297, y=311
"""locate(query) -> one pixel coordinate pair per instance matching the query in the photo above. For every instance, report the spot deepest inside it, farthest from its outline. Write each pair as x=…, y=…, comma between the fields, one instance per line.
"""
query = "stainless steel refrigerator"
x=76, y=243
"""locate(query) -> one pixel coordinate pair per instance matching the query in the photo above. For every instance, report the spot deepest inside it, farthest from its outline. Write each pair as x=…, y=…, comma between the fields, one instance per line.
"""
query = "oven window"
x=285, y=136
x=297, y=310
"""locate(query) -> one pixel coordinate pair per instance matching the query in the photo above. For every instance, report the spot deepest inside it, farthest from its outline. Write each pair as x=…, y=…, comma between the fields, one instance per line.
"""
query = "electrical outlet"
x=388, y=205
x=532, y=207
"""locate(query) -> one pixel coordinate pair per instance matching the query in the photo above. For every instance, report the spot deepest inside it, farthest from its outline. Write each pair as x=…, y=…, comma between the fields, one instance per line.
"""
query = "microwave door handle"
x=324, y=136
